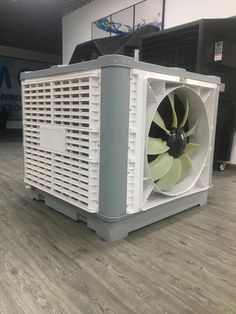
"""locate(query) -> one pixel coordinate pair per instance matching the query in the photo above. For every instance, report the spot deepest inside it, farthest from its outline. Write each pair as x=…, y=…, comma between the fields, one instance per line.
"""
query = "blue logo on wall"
x=5, y=74
x=10, y=93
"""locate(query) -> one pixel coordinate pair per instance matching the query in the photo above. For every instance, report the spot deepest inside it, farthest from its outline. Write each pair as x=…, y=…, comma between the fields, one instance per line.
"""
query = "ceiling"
x=35, y=24
x=71, y=5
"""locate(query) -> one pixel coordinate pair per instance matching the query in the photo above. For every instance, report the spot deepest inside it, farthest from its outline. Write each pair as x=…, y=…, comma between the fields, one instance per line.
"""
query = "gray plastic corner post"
x=115, y=93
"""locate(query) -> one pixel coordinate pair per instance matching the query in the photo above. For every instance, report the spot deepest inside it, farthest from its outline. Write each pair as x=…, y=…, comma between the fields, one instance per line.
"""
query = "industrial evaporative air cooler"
x=118, y=143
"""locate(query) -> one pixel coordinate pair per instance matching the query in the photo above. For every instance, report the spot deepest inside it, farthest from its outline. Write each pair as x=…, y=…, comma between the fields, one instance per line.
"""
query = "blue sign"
x=10, y=85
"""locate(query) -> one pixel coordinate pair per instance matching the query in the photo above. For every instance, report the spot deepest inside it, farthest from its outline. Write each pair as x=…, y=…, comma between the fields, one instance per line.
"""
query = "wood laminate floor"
x=51, y=264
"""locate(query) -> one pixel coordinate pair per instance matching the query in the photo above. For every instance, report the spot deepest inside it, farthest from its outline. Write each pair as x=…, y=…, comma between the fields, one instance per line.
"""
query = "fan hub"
x=177, y=142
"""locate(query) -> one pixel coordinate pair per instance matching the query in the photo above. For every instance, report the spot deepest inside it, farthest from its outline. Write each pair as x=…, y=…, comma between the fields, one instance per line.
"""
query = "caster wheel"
x=219, y=165
x=222, y=166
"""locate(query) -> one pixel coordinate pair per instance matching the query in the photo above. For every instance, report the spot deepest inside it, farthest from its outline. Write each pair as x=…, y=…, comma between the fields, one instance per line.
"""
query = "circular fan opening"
x=178, y=142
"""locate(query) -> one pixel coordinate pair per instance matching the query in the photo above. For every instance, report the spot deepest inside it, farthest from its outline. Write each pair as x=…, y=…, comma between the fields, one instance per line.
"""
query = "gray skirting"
x=113, y=229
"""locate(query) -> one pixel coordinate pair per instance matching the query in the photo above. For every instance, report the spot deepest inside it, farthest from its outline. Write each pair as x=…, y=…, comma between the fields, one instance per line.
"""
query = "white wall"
x=76, y=26
x=178, y=12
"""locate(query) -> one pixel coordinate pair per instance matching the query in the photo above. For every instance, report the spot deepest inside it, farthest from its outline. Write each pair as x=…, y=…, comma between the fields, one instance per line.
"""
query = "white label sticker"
x=218, y=55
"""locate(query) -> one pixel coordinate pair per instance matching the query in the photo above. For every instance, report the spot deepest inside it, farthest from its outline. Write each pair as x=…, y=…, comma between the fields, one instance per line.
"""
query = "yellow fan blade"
x=192, y=131
x=160, y=166
x=167, y=182
x=185, y=118
x=186, y=166
x=156, y=146
x=160, y=122
x=191, y=149
x=174, y=116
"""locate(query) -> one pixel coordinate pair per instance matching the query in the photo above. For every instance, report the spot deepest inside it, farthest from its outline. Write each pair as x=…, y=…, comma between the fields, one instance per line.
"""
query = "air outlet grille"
x=176, y=48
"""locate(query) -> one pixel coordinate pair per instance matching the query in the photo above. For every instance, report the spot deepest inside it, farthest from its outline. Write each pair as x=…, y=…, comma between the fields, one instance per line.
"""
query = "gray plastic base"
x=112, y=229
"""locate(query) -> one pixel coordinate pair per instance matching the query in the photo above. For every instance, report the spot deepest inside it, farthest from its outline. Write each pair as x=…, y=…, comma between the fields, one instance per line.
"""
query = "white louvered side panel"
x=61, y=117
x=38, y=167
x=131, y=202
x=136, y=147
